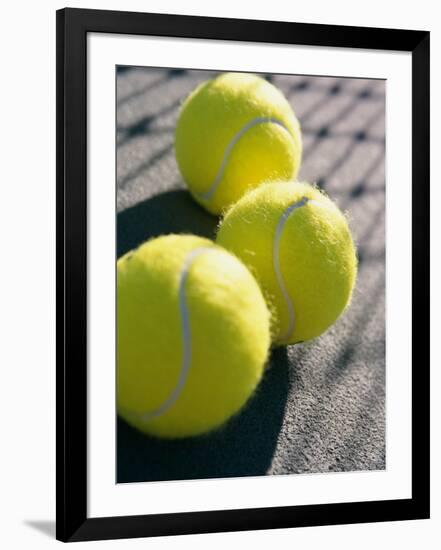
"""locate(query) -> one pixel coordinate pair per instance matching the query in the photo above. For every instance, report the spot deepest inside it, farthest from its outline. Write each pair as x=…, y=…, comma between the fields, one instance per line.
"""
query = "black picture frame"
x=72, y=523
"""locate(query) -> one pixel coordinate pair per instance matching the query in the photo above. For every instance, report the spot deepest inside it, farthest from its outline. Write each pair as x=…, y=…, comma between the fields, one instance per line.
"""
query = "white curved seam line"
x=277, y=269
x=186, y=337
x=207, y=195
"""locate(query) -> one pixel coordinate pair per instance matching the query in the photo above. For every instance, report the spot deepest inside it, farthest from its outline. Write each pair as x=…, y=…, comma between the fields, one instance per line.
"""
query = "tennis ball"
x=193, y=336
x=298, y=245
x=233, y=133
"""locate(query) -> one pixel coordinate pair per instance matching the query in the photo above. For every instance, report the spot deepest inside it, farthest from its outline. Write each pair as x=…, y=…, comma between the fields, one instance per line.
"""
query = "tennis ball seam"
x=208, y=195
x=186, y=337
x=276, y=264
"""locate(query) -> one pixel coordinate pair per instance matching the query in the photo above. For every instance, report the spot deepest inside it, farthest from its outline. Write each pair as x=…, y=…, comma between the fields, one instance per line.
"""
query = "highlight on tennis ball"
x=193, y=336
x=233, y=133
x=299, y=246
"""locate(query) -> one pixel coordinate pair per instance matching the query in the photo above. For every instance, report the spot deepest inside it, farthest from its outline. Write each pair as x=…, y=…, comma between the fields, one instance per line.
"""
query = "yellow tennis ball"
x=193, y=336
x=298, y=245
x=233, y=133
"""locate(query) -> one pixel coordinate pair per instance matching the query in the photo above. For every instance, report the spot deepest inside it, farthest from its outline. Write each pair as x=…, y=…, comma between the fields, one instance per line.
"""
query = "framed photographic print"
x=242, y=274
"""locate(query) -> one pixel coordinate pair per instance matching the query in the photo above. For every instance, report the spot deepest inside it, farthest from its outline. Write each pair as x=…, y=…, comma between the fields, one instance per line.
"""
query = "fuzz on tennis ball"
x=193, y=336
x=233, y=133
x=298, y=245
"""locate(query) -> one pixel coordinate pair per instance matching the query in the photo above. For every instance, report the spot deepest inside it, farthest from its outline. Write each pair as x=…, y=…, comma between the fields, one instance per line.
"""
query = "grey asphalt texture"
x=321, y=405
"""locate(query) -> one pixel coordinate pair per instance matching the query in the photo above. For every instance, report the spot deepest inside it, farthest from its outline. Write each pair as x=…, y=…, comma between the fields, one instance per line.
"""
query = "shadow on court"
x=170, y=212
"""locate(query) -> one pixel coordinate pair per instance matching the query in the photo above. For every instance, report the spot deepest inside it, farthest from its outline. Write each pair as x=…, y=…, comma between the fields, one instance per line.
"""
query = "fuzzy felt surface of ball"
x=192, y=338
x=298, y=244
x=234, y=132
